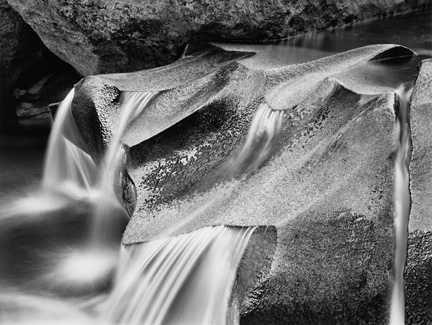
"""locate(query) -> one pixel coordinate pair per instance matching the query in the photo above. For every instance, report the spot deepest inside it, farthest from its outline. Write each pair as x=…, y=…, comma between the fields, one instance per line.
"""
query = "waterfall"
x=260, y=141
x=402, y=206
x=65, y=163
x=263, y=132
x=259, y=144
x=132, y=104
x=181, y=280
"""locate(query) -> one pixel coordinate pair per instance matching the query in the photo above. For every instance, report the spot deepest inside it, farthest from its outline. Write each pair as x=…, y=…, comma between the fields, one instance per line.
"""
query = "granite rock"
x=128, y=35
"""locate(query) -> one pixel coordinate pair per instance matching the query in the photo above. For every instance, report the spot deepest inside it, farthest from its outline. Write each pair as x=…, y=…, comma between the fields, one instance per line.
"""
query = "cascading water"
x=65, y=163
x=181, y=280
x=160, y=281
x=262, y=135
x=157, y=282
x=132, y=104
x=402, y=206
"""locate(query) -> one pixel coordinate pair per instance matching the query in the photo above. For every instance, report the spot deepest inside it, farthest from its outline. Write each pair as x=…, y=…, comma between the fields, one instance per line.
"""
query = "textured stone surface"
x=328, y=190
x=181, y=88
x=419, y=260
x=324, y=185
x=421, y=160
x=127, y=35
x=148, y=222
x=418, y=278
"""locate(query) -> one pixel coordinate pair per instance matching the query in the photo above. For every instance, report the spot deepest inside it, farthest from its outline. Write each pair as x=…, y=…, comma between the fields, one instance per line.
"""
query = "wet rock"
x=417, y=273
x=255, y=265
x=128, y=35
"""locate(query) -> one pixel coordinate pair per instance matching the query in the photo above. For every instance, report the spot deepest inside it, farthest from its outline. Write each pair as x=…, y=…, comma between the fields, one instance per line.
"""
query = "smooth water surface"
x=413, y=30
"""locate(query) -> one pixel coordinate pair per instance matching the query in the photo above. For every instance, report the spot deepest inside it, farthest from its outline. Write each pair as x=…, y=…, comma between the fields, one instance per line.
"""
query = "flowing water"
x=102, y=227
x=61, y=260
x=75, y=212
x=65, y=162
x=181, y=280
x=402, y=205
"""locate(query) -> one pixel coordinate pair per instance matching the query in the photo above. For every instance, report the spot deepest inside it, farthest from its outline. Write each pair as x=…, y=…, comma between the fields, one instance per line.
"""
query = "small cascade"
x=132, y=104
x=260, y=141
x=259, y=145
x=66, y=164
x=181, y=280
x=402, y=206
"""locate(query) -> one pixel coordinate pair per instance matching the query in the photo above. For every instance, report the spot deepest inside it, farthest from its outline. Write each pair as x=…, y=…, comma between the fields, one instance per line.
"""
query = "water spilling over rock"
x=182, y=280
x=307, y=152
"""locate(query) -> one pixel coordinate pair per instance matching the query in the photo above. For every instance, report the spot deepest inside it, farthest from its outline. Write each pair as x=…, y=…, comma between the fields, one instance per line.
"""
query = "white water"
x=157, y=282
x=181, y=280
x=65, y=163
x=162, y=281
x=132, y=104
x=266, y=126
x=402, y=207
x=260, y=140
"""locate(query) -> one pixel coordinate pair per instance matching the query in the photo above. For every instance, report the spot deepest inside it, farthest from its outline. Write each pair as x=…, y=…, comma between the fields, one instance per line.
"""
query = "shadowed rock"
x=96, y=104
x=19, y=47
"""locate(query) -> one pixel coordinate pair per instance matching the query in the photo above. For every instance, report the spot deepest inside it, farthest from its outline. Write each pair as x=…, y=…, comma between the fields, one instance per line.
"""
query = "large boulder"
x=312, y=163
x=318, y=167
x=128, y=35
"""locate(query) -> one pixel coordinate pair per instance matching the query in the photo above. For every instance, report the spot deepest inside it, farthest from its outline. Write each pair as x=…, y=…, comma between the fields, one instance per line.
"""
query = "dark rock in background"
x=128, y=35
x=31, y=77
x=19, y=47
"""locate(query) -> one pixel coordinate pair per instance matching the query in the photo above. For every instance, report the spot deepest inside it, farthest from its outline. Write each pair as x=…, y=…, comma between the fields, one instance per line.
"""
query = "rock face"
x=313, y=161
x=418, y=271
x=128, y=35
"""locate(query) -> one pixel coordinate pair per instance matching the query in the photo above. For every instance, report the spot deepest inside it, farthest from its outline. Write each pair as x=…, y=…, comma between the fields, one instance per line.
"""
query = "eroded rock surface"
x=128, y=35
x=300, y=123
x=314, y=162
